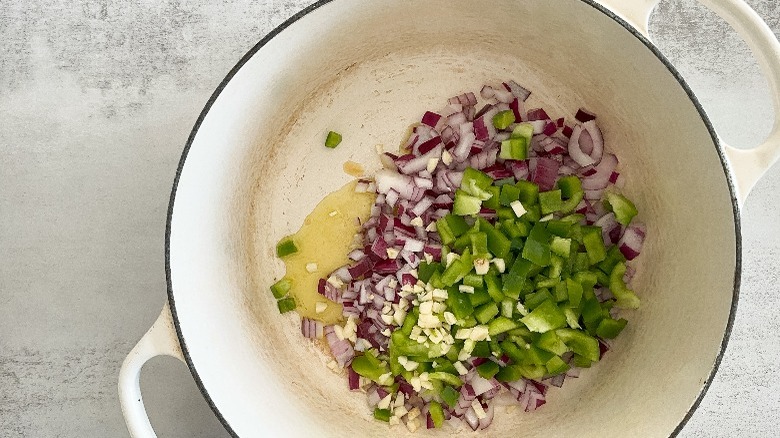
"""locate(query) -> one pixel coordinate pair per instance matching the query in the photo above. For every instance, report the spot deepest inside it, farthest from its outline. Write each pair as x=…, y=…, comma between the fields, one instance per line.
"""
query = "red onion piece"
x=431, y=119
x=633, y=239
x=584, y=115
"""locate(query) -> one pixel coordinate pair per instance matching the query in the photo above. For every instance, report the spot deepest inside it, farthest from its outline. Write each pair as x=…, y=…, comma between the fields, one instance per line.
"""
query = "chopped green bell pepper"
x=550, y=201
x=580, y=343
x=286, y=247
x=594, y=244
x=626, y=298
x=500, y=325
x=624, y=209
x=382, y=414
x=286, y=304
x=437, y=413
x=486, y=312
x=610, y=328
x=514, y=149
x=333, y=139
x=514, y=280
x=281, y=287
x=537, y=246
x=488, y=369
x=503, y=119
x=550, y=341
x=548, y=316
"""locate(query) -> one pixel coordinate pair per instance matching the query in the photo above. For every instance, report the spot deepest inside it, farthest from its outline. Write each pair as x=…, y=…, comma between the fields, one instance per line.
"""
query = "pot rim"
x=594, y=4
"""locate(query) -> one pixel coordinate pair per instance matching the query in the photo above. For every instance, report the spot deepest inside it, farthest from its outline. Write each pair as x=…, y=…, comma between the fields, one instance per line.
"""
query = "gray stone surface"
x=96, y=101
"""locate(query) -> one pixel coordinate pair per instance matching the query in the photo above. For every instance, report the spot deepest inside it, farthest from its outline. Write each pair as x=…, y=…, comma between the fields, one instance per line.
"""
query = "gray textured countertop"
x=97, y=99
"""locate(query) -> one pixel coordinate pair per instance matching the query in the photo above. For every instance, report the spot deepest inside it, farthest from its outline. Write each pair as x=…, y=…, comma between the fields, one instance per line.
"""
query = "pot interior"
x=257, y=167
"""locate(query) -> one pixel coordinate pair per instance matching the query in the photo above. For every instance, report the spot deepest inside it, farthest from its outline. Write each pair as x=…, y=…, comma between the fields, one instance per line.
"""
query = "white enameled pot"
x=254, y=166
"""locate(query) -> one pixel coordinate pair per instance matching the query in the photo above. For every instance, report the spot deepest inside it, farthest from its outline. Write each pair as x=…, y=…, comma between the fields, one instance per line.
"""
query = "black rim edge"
x=592, y=3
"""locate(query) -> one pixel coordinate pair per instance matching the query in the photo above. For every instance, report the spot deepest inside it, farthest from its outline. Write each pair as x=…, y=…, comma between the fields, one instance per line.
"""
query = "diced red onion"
x=431, y=119
x=633, y=239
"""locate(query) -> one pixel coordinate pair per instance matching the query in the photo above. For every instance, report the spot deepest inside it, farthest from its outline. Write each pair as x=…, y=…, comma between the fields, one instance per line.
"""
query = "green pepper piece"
x=409, y=322
x=594, y=244
x=492, y=203
x=437, y=413
x=507, y=308
x=481, y=349
x=574, y=290
x=497, y=242
x=493, y=287
x=500, y=325
x=537, y=246
x=511, y=229
x=486, y=312
x=462, y=242
x=610, y=328
x=281, y=287
x=382, y=414
x=458, y=303
x=449, y=379
x=503, y=119
x=514, y=280
x=556, y=366
x=523, y=227
x=581, y=262
x=509, y=194
x=548, y=316
x=426, y=270
x=458, y=269
x=614, y=256
x=534, y=372
x=533, y=213
x=465, y=204
x=560, y=246
x=473, y=178
x=480, y=297
x=534, y=300
x=333, y=139
x=572, y=317
x=624, y=209
x=570, y=185
x=457, y=224
x=560, y=292
x=529, y=192
x=571, y=204
x=558, y=227
x=550, y=201
x=368, y=366
x=509, y=373
x=626, y=298
x=523, y=130
x=286, y=247
x=517, y=354
x=473, y=280
x=479, y=245
x=581, y=362
x=580, y=343
x=514, y=149
x=286, y=304
x=592, y=314
x=546, y=283
x=488, y=369
x=551, y=342
x=435, y=279
x=450, y=396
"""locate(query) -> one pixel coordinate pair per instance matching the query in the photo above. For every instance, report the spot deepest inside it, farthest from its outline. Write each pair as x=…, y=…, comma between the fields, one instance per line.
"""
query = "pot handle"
x=747, y=165
x=160, y=340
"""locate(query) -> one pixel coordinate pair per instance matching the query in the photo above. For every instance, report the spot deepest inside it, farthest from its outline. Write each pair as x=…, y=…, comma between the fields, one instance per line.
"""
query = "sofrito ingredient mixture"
x=495, y=263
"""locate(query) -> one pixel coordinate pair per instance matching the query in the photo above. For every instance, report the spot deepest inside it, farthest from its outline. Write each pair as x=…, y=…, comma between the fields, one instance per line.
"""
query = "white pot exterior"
x=256, y=166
